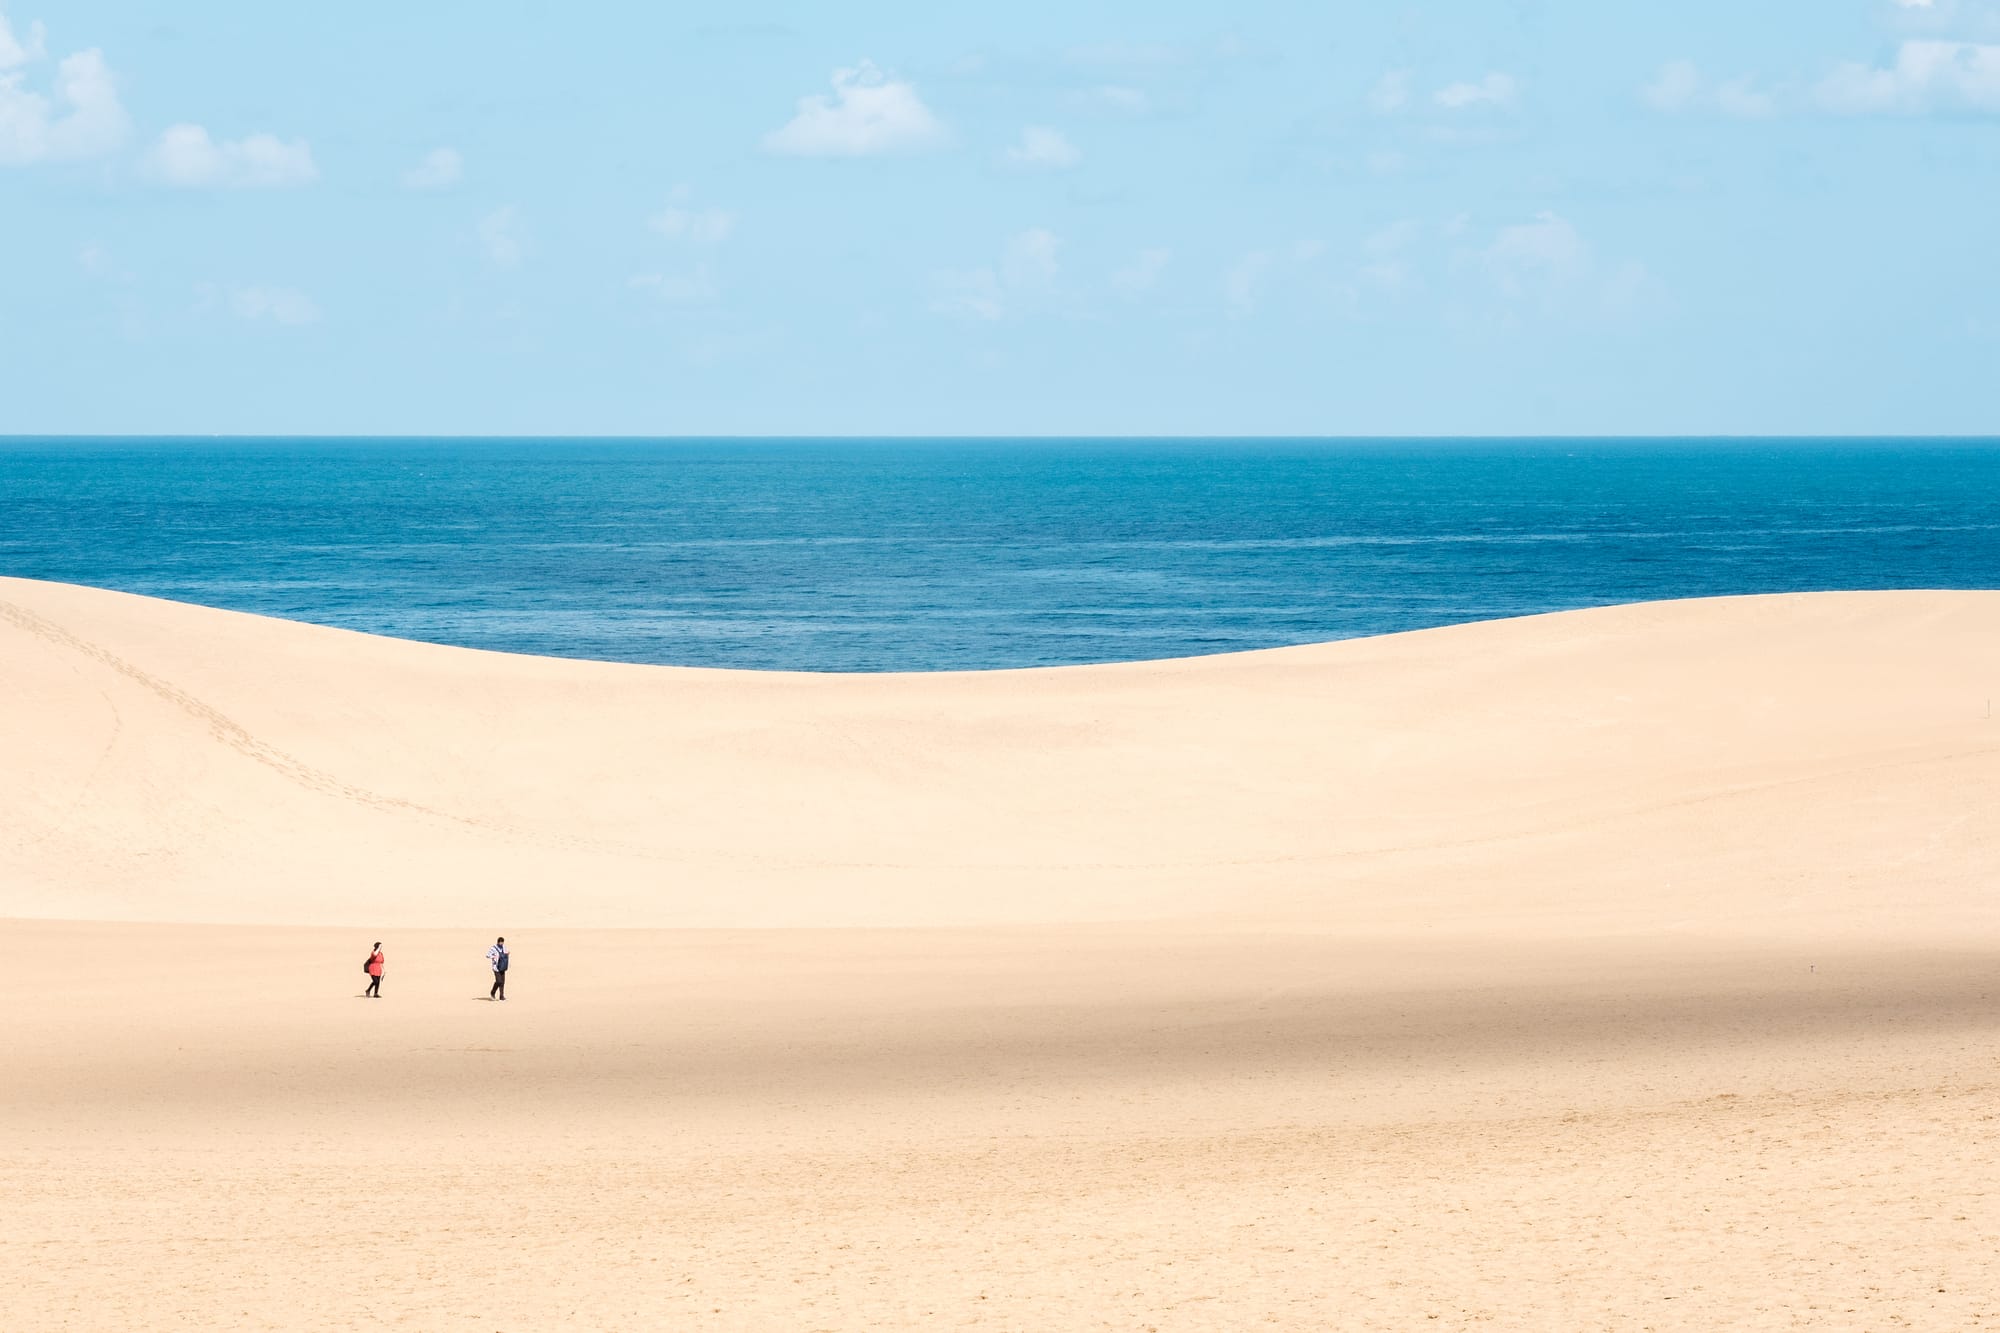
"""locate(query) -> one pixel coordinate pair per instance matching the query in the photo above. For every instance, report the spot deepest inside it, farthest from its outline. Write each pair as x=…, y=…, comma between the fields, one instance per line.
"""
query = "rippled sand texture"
x=1635, y=968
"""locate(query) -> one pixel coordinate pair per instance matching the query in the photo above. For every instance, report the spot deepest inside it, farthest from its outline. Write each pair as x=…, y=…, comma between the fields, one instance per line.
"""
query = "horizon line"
x=922, y=437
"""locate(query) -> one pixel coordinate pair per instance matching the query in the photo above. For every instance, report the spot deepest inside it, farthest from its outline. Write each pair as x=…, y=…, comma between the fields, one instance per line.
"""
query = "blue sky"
x=1035, y=218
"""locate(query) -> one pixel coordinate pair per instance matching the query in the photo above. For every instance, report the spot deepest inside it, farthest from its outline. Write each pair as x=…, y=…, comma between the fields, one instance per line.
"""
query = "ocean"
x=923, y=555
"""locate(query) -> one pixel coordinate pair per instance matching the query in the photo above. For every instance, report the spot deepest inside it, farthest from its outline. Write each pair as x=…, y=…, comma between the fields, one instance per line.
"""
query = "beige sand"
x=1635, y=968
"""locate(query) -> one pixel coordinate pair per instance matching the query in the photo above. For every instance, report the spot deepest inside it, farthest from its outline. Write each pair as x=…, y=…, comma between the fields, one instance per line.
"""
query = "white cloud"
x=1025, y=274
x=500, y=237
x=16, y=51
x=1496, y=90
x=1044, y=147
x=80, y=118
x=698, y=226
x=276, y=305
x=1913, y=4
x=1927, y=74
x=1143, y=272
x=439, y=169
x=186, y=156
x=868, y=113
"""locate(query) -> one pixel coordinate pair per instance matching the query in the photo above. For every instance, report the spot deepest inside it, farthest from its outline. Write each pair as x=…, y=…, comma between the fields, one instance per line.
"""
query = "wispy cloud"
x=1680, y=87
x=695, y=287
x=1742, y=98
x=1387, y=268
x=868, y=113
x=1676, y=87
x=1025, y=274
x=1045, y=148
x=1926, y=75
x=439, y=169
x=1030, y=257
x=697, y=226
x=1143, y=272
x=17, y=51
x=257, y=303
x=1495, y=90
x=1241, y=280
x=273, y=305
x=1391, y=93
x=185, y=156
x=1395, y=94
x=1245, y=277
x=1545, y=265
x=1546, y=249
x=1134, y=63
x=687, y=227
x=501, y=237
x=1137, y=56
x=1119, y=97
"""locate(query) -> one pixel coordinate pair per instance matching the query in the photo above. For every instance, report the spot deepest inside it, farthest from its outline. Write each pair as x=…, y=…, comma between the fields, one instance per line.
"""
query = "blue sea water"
x=925, y=555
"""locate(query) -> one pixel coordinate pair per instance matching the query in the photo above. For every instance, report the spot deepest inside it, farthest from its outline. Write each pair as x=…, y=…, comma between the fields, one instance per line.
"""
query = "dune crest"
x=1747, y=766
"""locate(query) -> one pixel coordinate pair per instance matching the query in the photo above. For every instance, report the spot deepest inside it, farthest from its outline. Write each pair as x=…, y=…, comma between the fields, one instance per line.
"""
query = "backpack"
x=500, y=963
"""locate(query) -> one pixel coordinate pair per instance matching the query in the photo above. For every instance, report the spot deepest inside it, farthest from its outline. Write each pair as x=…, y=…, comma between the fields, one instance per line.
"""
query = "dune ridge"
x=1607, y=771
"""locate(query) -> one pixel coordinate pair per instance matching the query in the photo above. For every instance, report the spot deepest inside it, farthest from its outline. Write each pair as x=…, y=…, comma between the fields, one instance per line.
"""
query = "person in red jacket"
x=375, y=972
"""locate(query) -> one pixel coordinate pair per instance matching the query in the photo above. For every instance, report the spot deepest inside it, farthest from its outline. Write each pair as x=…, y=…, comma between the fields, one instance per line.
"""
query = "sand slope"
x=1750, y=765
x=1630, y=969
x=1030, y=1129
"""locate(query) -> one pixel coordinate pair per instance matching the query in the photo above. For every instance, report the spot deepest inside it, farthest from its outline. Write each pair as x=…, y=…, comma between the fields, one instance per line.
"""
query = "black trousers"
x=499, y=986
x=374, y=987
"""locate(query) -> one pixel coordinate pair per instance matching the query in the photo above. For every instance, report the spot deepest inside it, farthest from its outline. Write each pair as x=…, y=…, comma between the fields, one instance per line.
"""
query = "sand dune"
x=1738, y=766
x=1635, y=968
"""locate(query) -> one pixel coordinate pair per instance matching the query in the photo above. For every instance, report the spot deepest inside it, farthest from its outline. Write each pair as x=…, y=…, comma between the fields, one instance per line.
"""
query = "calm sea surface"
x=914, y=555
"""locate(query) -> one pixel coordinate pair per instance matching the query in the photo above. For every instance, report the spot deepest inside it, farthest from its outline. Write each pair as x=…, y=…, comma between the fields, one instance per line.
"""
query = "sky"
x=1125, y=218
